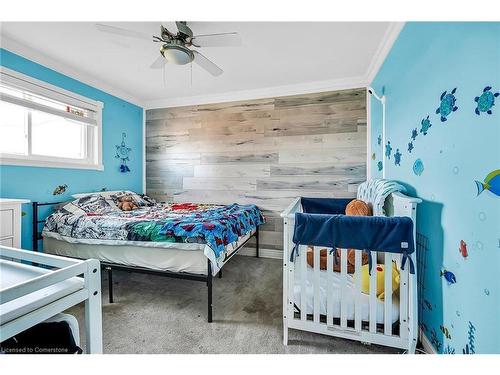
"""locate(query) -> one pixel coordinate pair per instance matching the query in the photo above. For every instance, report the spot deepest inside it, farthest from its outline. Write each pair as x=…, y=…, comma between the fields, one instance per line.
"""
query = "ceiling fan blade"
x=123, y=32
x=159, y=62
x=171, y=27
x=217, y=40
x=206, y=64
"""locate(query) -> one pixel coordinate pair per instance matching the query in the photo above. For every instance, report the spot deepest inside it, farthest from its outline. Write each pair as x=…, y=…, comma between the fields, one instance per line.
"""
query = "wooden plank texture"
x=265, y=151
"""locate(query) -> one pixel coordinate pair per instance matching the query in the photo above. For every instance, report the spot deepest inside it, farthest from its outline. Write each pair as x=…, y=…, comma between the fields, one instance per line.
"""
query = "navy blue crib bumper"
x=367, y=233
x=331, y=206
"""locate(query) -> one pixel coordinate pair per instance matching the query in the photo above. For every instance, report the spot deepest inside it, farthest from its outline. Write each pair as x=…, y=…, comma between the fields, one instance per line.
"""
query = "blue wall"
x=426, y=60
x=38, y=184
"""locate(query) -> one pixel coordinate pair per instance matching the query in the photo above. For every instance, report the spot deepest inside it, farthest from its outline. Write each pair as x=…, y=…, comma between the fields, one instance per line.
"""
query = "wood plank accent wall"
x=265, y=151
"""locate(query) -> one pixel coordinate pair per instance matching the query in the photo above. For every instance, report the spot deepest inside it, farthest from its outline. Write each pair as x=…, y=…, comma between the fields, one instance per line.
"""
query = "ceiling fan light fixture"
x=177, y=54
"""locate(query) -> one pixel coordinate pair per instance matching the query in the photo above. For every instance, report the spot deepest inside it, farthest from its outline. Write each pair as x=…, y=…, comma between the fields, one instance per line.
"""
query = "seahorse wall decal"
x=470, y=346
x=449, y=350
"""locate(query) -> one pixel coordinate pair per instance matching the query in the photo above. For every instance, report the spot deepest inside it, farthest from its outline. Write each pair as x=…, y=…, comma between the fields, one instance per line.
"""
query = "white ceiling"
x=275, y=57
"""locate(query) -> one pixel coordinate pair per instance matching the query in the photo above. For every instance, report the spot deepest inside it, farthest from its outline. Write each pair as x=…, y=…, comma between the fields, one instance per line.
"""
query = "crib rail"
x=331, y=300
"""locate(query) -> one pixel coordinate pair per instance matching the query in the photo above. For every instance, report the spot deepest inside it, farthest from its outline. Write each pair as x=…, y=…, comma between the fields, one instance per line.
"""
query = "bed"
x=33, y=293
x=180, y=240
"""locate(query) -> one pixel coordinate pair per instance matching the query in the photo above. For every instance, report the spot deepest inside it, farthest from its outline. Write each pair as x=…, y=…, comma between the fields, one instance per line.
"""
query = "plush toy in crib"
x=323, y=256
x=356, y=207
x=380, y=270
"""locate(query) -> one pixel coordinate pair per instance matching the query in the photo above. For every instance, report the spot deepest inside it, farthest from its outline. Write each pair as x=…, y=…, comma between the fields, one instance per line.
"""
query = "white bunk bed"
x=31, y=294
x=331, y=303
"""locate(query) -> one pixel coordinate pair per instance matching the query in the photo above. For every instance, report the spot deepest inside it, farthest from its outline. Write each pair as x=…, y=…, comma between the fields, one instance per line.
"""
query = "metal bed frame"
x=37, y=236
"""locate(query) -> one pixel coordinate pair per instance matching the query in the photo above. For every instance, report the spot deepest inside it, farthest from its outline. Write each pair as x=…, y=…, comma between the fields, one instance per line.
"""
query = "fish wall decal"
x=449, y=276
x=445, y=331
x=463, y=249
x=491, y=182
x=60, y=189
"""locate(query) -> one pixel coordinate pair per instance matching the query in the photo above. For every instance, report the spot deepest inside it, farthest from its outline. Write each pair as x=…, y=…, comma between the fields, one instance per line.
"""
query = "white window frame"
x=94, y=160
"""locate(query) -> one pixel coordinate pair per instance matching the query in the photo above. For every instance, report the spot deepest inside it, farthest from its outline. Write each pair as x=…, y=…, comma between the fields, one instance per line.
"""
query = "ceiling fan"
x=176, y=44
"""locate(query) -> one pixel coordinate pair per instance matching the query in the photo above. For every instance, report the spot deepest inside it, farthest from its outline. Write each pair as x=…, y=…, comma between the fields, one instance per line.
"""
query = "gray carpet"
x=153, y=314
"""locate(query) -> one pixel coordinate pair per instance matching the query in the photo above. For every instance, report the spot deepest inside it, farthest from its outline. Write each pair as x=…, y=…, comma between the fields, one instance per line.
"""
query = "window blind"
x=17, y=91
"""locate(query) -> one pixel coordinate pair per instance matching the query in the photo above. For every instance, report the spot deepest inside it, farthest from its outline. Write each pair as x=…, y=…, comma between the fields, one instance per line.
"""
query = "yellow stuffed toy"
x=380, y=270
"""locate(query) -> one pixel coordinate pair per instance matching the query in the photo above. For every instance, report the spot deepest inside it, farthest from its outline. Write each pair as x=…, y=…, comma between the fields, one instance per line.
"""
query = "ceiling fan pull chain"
x=164, y=77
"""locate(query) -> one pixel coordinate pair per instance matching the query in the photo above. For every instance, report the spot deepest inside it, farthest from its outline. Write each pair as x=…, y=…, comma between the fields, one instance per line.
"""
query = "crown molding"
x=267, y=92
x=383, y=50
x=38, y=57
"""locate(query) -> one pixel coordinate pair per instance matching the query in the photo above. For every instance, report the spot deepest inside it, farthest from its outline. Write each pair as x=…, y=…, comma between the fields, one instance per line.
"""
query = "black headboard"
x=37, y=234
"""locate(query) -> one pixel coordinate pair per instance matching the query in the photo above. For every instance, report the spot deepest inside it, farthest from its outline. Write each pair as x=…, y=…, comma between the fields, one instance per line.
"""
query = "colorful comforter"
x=95, y=217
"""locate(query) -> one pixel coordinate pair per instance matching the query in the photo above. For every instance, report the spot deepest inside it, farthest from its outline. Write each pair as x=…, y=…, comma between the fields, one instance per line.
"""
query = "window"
x=43, y=125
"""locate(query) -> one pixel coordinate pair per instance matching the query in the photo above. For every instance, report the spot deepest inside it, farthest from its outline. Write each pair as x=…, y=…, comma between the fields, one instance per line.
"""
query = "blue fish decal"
x=491, y=183
x=449, y=276
x=380, y=166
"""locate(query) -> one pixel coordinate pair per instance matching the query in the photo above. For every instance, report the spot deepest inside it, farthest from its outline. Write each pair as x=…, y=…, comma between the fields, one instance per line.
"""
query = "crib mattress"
x=350, y=293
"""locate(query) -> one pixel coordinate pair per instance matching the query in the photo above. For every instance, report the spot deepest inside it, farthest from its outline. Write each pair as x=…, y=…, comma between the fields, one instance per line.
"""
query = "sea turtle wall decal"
x=388, y=149
x=448, y=104
x=426, y=124
x=397, y=158
x=485, y=101
x=414, y=134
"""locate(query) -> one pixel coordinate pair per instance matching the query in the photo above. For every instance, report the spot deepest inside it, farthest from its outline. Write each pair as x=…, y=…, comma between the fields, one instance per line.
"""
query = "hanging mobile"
x=122, y=153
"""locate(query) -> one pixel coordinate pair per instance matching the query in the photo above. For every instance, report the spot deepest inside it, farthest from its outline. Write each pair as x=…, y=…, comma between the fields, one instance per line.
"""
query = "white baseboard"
x=426, y=343
x=263, y=253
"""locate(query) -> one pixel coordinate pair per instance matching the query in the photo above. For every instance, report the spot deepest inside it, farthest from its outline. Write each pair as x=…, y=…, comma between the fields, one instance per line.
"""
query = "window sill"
x=49, y=164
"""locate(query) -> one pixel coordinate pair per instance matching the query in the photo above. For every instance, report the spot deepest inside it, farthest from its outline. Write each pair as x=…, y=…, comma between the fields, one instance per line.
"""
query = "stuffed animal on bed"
x=127, y=203
x=356, y=207
x=380, y=270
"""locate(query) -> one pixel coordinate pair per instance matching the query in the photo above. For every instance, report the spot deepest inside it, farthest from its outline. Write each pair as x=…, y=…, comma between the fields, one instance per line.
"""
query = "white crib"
x=350, y=313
